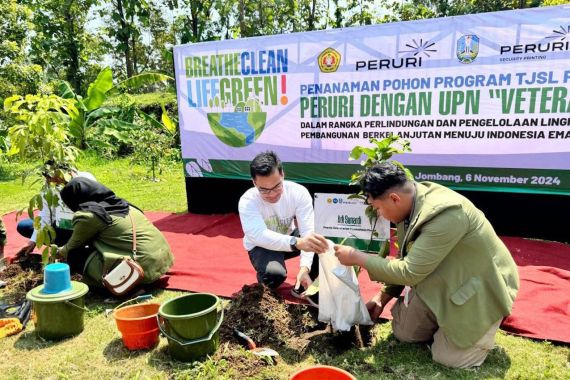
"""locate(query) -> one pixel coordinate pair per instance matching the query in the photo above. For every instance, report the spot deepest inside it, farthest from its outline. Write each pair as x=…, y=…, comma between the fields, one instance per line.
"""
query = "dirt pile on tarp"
x=266, y=318
x=19, y=280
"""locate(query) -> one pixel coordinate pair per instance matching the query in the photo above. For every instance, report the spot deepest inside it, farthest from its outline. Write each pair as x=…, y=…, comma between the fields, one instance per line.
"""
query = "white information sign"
x=336, y=216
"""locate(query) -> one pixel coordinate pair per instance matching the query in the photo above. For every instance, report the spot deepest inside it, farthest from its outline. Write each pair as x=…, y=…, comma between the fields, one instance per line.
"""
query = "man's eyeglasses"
x=276, y=188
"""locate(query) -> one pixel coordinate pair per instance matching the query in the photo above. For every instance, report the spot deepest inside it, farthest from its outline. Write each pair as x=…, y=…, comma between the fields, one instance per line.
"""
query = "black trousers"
x=270, y=265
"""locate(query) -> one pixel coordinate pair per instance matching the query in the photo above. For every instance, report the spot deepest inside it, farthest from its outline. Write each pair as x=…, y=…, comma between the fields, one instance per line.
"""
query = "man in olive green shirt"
x=454, y=278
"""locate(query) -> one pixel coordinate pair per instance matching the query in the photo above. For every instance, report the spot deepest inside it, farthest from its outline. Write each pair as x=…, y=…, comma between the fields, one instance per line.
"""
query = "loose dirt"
x=290, y=329
x=21, y=276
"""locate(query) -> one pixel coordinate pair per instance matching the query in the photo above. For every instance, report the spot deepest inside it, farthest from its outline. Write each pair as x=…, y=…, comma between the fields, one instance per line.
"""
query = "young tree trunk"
x=124, y=39
x=73, y=76
x=312, y=15
x=134, y=52
x=242, y=28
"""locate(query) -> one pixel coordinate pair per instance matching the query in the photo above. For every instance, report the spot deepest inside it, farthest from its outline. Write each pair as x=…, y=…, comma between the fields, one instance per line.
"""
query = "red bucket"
x=138, y=325
x=322, y=372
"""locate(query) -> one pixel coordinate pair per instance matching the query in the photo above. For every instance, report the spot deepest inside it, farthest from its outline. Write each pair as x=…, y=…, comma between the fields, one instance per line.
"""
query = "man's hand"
x=303, y=278
x=312, y=243
x=29, y=248
x=376, y=305
x=349, y=256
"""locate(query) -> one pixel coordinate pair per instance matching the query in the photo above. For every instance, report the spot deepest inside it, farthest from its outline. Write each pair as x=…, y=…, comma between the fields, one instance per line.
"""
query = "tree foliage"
x=61, y=45
x=18, y=75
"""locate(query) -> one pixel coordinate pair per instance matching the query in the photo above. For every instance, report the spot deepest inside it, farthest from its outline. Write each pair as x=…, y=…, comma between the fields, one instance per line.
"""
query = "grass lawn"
x=98, y=351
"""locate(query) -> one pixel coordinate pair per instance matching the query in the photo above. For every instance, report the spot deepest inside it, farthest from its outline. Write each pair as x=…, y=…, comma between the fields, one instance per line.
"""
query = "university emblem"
x=329, y=60
x=467, y=48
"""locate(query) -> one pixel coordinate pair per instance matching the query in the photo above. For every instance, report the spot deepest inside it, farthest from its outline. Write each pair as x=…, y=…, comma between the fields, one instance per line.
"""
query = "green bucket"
x=191, y=324
x=60, y=315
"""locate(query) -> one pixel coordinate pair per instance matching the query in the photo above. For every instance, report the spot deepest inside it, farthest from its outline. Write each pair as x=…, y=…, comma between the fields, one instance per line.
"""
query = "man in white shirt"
x=60, y=217
x=278, y=223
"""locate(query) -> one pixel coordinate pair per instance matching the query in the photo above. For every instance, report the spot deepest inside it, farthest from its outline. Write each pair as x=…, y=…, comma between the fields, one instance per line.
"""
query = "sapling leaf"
x=39, y=202
x=53, y=252
x=45, y=256
x=49, y=196
x=51, y=234
x=355, y=153
x=37, y=222
x=40, y=237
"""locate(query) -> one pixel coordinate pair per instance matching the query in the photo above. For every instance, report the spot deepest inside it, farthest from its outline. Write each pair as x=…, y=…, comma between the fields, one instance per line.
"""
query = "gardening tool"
x=25, y=313
x=9, y=326
x=13, y=309
x=12, y=317
x=10, y=310
x=250, y=344
x=310, y=295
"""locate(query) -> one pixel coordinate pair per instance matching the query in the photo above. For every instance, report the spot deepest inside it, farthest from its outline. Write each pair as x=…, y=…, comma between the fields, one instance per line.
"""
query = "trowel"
x=250, y=344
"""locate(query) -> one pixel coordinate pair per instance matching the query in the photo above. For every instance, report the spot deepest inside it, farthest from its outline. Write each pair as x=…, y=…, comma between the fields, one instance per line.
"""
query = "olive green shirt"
x=455, y=262
x=114, y=241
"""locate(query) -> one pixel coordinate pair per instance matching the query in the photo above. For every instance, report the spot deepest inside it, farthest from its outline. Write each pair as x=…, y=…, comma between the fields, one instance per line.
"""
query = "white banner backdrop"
x=482, y=98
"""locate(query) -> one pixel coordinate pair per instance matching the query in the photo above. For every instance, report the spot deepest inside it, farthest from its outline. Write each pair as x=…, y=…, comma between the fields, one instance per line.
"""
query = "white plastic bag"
x=340, y=302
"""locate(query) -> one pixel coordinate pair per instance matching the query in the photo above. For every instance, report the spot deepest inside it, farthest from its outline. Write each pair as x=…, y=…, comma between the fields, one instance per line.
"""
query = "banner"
x=483, y=100
x=341, y=219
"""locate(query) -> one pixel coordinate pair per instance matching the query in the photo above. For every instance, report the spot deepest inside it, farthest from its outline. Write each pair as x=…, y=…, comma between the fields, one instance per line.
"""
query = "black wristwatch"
x=293, y=243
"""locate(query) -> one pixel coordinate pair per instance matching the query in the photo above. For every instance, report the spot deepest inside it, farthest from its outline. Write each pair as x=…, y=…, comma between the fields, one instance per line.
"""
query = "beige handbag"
x=127, y=274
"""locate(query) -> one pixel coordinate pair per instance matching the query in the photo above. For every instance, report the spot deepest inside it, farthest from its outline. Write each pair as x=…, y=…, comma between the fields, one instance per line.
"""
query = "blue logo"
x=335, y=200
x=467, y=48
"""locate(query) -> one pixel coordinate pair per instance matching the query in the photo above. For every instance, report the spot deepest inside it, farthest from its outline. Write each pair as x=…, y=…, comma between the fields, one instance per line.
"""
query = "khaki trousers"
x=415, y=323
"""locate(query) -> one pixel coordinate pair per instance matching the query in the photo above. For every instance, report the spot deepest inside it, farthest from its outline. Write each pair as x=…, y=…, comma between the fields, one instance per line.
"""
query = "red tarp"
x=209, y=257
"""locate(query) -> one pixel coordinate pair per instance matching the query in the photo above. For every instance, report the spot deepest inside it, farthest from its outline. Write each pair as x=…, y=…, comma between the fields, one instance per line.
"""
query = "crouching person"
x=278, y=224
x=460, y=280
x=104, y=228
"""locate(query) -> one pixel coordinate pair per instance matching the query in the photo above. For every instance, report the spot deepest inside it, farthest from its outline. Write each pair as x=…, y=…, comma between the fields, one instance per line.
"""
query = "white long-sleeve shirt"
x=269, y=225
x=60, y=215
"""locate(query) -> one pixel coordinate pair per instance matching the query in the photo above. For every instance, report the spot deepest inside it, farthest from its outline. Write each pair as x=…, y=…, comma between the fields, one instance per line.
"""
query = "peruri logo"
x=329, y=60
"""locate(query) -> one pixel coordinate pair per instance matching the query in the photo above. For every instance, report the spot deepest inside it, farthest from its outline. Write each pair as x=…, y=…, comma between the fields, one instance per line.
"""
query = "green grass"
x=98, y=351
x=120, y=175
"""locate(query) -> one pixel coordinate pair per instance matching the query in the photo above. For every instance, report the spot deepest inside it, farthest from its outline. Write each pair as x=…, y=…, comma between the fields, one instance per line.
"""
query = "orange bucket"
x=322, y=372
x=138, y=325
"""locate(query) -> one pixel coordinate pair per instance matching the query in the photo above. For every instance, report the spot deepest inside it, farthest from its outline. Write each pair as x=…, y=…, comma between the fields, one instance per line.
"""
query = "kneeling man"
x=454, y=277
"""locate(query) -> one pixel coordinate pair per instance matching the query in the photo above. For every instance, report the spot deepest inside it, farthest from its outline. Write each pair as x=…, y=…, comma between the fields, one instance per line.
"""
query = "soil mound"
x=263, y=315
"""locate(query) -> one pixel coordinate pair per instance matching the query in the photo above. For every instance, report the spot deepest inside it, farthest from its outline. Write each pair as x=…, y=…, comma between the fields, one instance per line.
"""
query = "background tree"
x=61, y=43
x=125, y=22
x=18, y=75
x=194, y=23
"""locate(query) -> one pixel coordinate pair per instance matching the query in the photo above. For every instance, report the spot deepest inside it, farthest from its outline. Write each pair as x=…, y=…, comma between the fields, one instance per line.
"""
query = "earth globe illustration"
x=242, y=126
